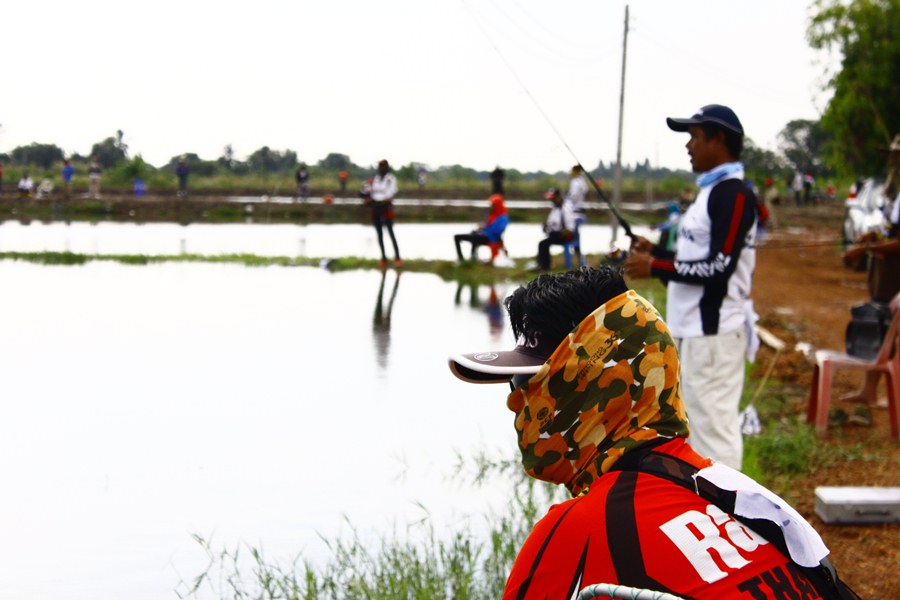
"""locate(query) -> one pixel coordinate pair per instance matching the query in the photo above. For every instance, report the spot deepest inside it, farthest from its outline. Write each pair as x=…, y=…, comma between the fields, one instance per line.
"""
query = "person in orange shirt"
x=595, y=389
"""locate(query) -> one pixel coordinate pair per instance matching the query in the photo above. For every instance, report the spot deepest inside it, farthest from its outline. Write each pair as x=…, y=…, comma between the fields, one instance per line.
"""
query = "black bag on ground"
x=868, y=325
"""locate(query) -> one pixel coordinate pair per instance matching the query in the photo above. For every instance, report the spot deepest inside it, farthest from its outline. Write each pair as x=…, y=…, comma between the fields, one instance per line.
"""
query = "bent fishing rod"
x=609, y=203
x=612, y=207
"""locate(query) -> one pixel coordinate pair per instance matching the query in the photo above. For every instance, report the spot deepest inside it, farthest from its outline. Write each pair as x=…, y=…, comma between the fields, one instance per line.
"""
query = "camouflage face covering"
x=611, y=385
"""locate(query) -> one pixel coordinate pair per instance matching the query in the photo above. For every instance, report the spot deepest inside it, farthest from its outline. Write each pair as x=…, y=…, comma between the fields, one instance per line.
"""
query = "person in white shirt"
x=797, y=186
x=384, y=188
x=575, y=196
x=25, y=186
x=94, y=172
x=559, y=227
x=708, y=280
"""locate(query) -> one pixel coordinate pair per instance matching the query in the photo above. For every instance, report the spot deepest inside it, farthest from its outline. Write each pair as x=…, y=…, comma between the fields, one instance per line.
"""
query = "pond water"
x=416, y=240
x=263, y=405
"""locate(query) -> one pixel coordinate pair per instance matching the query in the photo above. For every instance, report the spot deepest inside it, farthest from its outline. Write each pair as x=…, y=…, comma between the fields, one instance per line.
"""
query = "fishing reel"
x=614, y=258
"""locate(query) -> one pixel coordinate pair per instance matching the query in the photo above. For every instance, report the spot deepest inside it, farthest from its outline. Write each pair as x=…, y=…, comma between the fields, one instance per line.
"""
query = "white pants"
x=712, y=378
x=94, y=186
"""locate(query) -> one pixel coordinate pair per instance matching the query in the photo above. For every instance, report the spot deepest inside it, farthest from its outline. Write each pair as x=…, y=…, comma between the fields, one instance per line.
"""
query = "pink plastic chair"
x=887, y=362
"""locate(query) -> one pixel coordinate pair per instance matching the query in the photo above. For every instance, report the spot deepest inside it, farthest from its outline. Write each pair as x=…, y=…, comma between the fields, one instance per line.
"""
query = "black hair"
x=550, y=306
x=734, y=141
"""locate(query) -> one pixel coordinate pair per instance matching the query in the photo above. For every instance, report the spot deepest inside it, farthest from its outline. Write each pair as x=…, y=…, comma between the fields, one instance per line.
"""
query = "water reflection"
x=242, y=408
x=491, y=306
x=381, y=322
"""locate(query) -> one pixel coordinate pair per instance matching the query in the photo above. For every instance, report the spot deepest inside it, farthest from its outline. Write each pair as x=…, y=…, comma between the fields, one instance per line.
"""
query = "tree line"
x=802, y=148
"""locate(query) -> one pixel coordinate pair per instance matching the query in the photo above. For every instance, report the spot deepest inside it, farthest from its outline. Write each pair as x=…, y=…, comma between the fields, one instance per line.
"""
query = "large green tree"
x=335, y=162
x=42, y=155
x=864, y=111
x=802, y=143
x=197, y=165
x=266, y=160
x=761, y=163
x=110, y=151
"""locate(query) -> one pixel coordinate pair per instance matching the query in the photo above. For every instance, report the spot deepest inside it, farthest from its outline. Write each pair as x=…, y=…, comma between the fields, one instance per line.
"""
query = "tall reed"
x=417, y=563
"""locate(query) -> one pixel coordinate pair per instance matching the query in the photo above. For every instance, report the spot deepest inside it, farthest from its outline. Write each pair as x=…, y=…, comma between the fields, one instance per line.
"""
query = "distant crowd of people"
x=562, y=227
x=26, y=188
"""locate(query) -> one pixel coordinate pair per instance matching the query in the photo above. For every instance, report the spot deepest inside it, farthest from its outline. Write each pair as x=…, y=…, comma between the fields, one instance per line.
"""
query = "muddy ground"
x=803, y=293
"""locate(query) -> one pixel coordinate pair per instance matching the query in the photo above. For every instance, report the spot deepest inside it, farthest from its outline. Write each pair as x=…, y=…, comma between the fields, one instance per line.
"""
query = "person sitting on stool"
x=559, y=227
x=490, y=233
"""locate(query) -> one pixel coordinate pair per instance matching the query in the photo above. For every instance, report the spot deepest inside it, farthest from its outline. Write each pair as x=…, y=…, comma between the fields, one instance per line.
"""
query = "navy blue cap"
x=711, y=113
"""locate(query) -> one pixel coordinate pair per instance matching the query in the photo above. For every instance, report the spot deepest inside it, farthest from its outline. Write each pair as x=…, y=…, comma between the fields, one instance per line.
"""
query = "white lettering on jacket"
x=700, y=535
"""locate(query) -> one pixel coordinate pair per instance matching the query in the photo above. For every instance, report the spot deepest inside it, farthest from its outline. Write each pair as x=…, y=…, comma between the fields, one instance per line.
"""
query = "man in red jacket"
x=596, y=393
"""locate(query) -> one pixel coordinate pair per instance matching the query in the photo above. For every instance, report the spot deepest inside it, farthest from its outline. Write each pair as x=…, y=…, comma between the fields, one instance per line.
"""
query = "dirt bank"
x=803, y=293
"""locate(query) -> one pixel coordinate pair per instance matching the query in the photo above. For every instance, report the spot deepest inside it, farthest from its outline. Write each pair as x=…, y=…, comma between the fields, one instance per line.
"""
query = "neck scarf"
x=497, y=208
x=611, y=385
x=720, y=172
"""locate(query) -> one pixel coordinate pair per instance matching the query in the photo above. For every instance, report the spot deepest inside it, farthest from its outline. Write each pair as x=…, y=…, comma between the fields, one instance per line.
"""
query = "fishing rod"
x=609, y=203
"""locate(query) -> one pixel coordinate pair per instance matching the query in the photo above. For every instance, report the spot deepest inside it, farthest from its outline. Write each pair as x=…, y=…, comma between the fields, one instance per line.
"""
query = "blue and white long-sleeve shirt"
x=577, y=192
x=709, y=276
x=561, y=218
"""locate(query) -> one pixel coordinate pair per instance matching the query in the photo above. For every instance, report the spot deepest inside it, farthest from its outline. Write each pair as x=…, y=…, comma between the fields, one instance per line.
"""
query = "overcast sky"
x=472, y=82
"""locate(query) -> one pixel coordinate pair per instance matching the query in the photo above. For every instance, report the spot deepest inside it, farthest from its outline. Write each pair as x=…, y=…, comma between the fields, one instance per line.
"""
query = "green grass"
x=787, y=447
x=415, y=563
x=467, y=273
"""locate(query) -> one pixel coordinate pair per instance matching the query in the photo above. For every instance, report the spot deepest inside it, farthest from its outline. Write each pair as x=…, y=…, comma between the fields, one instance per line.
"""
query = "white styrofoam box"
x=848, y=504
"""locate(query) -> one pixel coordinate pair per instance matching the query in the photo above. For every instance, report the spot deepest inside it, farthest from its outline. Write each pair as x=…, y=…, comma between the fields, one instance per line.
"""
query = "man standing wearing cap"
x=559, y=227
x=708, y=281
x=596, y=396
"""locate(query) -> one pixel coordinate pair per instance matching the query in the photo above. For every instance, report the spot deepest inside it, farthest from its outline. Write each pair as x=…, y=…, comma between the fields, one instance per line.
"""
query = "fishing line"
x=777, y=245
x=612, y=207
x=560, y=46
x=521, y=83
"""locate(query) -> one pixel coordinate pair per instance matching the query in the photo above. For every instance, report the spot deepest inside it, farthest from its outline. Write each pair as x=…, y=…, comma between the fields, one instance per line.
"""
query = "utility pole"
x=617, y=182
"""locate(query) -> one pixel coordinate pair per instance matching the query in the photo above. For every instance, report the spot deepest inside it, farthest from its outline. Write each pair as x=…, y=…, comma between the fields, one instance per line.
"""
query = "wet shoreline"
x=279, y=209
